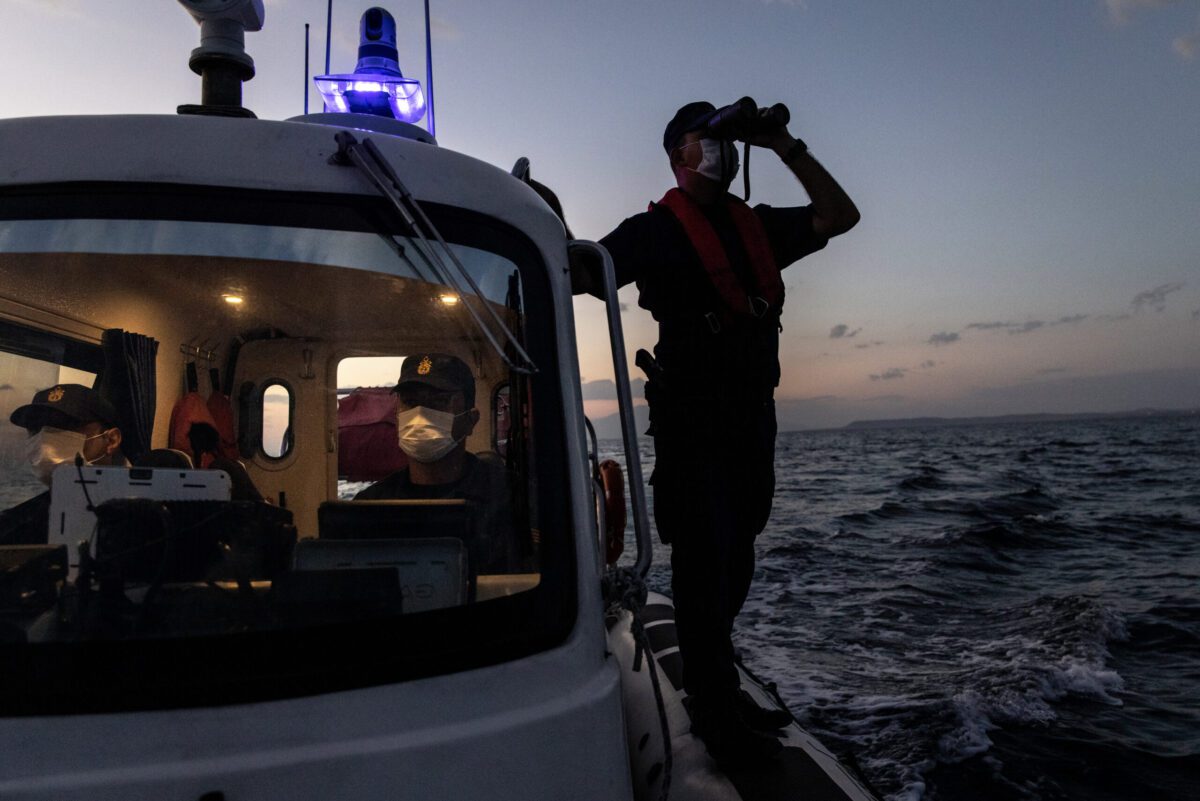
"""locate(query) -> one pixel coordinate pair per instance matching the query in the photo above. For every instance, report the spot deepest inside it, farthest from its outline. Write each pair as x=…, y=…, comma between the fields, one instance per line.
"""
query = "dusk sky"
x=1028, y=172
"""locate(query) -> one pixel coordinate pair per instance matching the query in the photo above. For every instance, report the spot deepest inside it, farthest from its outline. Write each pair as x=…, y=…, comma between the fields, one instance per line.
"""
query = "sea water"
x=1008, y=611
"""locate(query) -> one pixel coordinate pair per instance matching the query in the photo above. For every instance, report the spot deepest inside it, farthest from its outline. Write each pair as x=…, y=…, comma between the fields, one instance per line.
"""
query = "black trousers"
x=714, y=482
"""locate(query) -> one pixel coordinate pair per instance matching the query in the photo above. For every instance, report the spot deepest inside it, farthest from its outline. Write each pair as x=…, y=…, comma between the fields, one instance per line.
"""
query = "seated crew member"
x=62, y=421
x=436, y=415
x=206, y=452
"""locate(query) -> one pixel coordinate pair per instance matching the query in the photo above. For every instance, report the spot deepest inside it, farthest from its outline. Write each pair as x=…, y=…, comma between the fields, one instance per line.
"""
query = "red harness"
x=767, y=294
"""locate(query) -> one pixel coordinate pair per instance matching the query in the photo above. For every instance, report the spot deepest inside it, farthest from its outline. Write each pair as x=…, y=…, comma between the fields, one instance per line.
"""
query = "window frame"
x=249, y=667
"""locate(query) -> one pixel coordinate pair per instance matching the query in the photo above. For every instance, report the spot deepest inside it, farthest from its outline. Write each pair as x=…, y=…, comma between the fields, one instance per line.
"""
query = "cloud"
x=928, y=364
x=944, y=338
x=1187, y=45
x=842, y=330
x=605, y=389
x=63, y=9
x=443, y=29
x=1025, y=328
x=1196, y=314
x=1119, y=11
x=1052, y=370
x=1030, y=325
x=1155, y=298
x=889, y=374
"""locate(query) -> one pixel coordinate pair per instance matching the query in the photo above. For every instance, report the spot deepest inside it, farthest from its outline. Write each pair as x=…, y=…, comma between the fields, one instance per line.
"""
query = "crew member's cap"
x=691, y=117
x=440, y=371
x=74, y=401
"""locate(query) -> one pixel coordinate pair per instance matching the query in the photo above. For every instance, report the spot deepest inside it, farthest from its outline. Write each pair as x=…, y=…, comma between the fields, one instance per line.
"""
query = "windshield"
x=266, y=425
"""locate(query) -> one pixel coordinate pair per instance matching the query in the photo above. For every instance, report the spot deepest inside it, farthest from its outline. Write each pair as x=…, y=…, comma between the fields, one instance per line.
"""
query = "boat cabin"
x=268, y=299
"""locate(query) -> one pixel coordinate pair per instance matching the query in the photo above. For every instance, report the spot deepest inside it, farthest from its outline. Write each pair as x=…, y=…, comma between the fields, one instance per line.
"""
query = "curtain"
x=128, y=382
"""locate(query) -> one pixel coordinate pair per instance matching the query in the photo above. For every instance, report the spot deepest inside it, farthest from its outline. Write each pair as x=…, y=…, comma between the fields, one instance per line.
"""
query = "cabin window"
x=277, y=408
x=367, y=445
x=31, y=361
x=462, y=551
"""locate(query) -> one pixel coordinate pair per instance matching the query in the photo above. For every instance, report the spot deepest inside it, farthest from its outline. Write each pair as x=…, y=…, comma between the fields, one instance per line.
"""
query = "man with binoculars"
x=707, y=267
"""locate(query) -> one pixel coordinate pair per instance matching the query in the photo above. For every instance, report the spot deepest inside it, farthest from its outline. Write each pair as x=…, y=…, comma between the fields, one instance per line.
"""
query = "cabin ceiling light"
x=448, y=299
x=232, y=299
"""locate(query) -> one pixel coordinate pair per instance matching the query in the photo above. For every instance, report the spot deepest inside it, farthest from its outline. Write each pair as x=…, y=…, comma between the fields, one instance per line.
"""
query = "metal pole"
x=633, y=459
x=306, y=68
x=328, y=32
x=429, y=70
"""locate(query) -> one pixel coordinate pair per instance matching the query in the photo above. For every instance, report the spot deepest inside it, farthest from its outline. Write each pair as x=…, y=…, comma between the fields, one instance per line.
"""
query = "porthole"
x=277, y=409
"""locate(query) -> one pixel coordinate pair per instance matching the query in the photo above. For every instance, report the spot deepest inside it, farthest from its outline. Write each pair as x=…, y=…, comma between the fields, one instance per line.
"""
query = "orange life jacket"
x=767, y=293
x=221, y=409
x=189, y=410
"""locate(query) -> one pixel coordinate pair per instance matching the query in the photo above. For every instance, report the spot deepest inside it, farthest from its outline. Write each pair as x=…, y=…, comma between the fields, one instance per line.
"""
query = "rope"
x=624, y=588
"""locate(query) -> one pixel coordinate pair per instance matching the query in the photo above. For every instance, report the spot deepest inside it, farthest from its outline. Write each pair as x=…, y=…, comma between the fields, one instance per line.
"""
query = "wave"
x=928, y=478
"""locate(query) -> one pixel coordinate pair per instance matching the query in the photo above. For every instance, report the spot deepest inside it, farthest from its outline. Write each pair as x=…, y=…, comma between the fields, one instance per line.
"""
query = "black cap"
x=75, y=401
x=691, y=117
x=440, y=371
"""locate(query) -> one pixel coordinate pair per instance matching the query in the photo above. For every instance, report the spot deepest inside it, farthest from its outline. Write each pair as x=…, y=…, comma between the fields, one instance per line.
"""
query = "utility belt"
x=722, y=319
x=687, y=395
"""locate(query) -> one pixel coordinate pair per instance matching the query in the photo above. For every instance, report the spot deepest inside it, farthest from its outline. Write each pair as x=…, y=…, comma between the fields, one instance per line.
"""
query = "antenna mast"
x=328, y=32
x=428, y=69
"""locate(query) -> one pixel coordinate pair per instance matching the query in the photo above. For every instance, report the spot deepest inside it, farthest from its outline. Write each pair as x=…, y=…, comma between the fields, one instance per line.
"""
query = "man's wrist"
x=794, y=150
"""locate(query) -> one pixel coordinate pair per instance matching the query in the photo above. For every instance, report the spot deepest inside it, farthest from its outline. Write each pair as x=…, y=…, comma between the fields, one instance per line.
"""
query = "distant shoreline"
x=951, y=422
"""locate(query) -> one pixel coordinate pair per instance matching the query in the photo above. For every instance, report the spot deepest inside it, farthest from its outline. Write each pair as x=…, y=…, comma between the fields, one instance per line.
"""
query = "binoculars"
x=744, y=119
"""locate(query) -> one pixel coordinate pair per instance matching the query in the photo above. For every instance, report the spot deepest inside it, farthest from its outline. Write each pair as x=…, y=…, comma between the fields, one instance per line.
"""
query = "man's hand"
x=778, y=139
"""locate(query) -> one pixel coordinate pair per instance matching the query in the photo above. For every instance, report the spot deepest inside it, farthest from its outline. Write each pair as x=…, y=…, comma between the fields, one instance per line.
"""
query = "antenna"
x=429, y=71
x=328, y=32
x=306, y=68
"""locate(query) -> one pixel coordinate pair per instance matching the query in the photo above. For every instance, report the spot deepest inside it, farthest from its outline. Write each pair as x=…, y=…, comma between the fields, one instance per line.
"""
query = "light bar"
x=376, y=86
x=366, y=93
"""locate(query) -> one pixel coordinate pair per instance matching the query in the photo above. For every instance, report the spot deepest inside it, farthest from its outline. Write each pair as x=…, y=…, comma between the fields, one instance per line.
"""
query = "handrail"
x=633, y=462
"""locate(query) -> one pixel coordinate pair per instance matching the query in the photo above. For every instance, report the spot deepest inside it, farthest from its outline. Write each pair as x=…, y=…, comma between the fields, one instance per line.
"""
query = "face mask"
x=718, y=152
x=50, y=447
x=426, y=434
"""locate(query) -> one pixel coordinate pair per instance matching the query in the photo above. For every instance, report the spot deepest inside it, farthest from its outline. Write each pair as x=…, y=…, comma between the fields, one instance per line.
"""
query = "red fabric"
x=221, y=410
x=368, y=445
x=704, y=238
x=189, y=410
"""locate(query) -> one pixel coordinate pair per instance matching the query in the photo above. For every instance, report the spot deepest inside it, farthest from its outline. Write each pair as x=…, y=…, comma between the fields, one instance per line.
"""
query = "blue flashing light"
x=376, y=86
x=366, y=93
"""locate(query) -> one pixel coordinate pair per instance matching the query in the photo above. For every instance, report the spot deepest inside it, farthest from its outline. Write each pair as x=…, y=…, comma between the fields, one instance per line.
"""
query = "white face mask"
x=426, y=434
x=717, y=152
x=50, y=447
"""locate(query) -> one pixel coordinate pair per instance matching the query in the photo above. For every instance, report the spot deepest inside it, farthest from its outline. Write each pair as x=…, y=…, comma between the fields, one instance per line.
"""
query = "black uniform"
x=484, y=484
x=713, y=419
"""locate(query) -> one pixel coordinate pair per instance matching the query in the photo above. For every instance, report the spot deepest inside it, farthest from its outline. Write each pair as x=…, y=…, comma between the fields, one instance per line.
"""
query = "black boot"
x=728, y=739
x=758, y=718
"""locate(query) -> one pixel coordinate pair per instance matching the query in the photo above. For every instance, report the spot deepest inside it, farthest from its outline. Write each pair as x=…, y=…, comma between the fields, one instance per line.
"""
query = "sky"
x=1028, y=172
